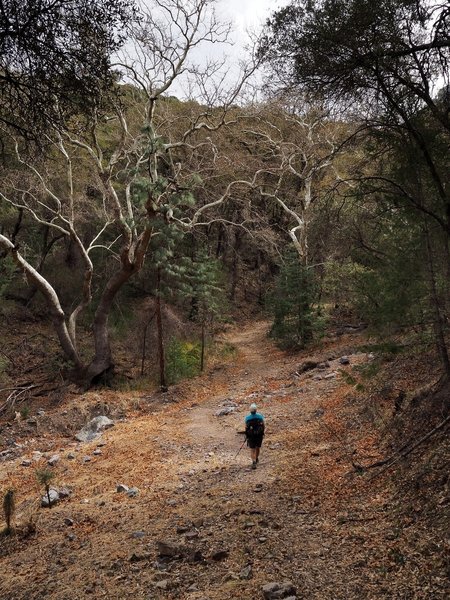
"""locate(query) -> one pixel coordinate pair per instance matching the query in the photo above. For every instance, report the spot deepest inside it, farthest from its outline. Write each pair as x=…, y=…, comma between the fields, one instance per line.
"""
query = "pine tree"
x=292, y=303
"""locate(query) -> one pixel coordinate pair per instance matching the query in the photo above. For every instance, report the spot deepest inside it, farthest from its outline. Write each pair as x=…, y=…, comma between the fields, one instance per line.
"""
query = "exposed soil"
x=306, y=514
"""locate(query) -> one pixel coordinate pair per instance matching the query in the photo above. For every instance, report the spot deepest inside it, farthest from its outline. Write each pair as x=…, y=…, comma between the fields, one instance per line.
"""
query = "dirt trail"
x=302, y=515
x=276, y=518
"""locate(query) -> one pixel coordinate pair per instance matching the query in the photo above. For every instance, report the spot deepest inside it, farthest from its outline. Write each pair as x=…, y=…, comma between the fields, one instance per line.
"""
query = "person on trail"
x=254, y=432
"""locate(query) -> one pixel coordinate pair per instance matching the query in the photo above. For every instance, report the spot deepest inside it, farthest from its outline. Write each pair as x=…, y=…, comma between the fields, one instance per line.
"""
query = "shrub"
x=182, y=360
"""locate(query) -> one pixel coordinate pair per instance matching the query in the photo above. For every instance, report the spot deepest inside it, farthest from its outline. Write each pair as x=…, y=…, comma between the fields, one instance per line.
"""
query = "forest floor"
x=306, y=514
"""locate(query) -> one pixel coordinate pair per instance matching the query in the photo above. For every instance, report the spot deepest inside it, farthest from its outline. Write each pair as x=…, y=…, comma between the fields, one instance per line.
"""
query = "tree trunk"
x=102, y=362
x=162, y=361
x=202, y=355
x=56, y=312
x=235, y=265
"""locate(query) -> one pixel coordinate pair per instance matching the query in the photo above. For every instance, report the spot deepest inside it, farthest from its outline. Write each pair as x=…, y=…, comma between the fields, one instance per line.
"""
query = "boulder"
x=94, y=428
x=54, y=497
x=53, y=460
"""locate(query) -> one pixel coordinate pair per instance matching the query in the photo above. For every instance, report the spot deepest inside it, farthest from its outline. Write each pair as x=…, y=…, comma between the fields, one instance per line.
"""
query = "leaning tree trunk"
x=56, y=312
x=102, y=363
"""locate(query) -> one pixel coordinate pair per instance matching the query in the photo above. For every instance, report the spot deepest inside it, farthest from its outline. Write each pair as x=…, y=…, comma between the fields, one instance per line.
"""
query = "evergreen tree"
x=207, y=295
x=297, y=320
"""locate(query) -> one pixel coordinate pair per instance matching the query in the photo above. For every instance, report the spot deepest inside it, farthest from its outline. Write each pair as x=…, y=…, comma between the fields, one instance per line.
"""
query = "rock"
x=40, y=412
x=138, y=535
x=229, y=402
x=197, y=523
x=25, y=463
x=220, y=555
x=97, y=452
x=37, y=455
x=69, y=522
x=64, y=492
x=138, y=556
x=169, y=549
x=182, y=529
x=53, y=460
x=54, y=497
x=191, y=535
x=306, y=366
x=86, y=459
x=225, y=411
x=275, y=590
x=132, y=492
x=94, y=428
x=163, y=585
x=246, y=573
x=71, y=456
x=344, y=360
x=194, y=556
x=330, y=376
x=122, y=488
x=323, y=365
x=229, y=577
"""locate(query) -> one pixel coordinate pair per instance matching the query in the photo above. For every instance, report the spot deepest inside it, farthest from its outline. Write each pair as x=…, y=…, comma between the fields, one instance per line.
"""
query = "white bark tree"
x=140, y=158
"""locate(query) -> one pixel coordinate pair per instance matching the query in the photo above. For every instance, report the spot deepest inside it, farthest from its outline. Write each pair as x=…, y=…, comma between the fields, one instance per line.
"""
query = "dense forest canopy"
x=56, y=57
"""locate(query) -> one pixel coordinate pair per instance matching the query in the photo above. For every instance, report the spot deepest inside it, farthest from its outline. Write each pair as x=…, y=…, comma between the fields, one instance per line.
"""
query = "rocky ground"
x=193, y=521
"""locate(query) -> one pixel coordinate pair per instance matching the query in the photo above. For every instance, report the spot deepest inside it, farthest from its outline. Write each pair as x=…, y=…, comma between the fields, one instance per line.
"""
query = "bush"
x=182, y=360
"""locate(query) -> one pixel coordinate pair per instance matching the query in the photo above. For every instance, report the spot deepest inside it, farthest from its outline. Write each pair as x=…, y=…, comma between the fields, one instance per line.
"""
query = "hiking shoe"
x=257, y=460
x=254, y=464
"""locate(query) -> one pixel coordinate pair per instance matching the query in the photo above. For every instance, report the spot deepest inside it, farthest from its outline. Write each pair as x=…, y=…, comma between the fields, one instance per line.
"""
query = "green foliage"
x=25, y=412
x=182, y=360
x=207, y=290
x=45, y=476
x=297, y=321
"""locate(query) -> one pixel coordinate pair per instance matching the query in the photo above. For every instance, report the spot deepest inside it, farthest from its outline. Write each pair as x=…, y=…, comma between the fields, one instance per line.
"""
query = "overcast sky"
x=247, y=14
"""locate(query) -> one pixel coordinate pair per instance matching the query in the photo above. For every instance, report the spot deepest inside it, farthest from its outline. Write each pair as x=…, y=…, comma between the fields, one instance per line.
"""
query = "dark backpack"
x=254, y=428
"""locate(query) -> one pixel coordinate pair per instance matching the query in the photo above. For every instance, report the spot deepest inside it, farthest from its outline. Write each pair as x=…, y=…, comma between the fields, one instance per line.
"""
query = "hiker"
x=254, y=431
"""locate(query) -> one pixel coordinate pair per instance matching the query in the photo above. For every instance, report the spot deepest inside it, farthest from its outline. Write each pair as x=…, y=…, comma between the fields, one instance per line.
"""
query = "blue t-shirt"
x=257, y=415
